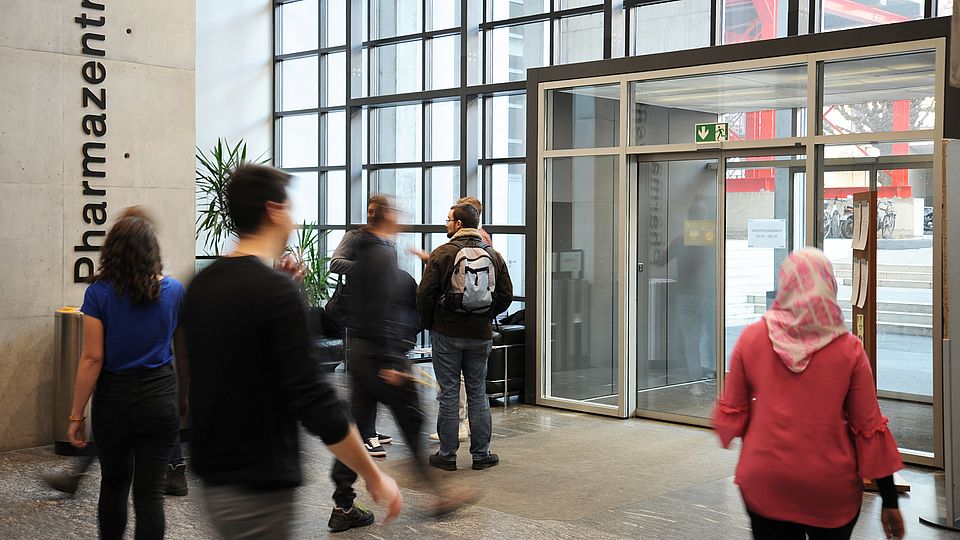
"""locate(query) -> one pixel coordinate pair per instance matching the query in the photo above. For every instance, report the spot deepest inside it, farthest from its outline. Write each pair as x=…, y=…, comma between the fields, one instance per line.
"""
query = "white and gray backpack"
x=473, y=280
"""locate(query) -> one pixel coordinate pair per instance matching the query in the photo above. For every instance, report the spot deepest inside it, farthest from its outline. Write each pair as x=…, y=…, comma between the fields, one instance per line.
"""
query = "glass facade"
x=425, y=98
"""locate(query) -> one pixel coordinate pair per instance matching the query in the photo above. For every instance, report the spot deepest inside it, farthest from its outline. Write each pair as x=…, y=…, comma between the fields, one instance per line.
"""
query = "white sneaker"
x=374, y=448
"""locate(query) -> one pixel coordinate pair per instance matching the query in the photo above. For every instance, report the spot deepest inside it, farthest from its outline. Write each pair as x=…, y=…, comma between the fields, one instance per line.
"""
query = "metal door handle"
x=639, y=267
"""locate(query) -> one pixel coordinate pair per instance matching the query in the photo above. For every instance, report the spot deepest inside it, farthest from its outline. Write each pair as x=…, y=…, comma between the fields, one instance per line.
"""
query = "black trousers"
x=368, y=390
x=135, y=423
x=771, y=529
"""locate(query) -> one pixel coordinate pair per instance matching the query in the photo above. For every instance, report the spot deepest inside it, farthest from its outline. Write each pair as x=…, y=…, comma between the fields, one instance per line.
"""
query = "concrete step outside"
x=894, y=317
x=896, y=276
x=899, y=284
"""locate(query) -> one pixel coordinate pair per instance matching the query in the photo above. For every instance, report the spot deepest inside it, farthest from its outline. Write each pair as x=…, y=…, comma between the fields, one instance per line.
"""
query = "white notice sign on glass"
x=855, y=282
x=767, y=233
x=863, y=224
x=864, y=277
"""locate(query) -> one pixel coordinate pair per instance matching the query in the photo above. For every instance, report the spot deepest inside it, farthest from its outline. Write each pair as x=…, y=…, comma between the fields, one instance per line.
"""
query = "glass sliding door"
x=676, y=208
x=583, y=352
x=764, y=198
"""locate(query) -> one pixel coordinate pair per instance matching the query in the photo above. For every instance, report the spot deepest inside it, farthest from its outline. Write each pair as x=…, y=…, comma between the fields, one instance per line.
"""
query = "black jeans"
x=765, y=528
x=135, y=423
x=368, y=390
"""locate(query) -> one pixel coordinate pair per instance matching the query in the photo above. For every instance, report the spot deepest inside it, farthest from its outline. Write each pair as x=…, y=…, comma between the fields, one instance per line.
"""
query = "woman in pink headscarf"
x=800, y=394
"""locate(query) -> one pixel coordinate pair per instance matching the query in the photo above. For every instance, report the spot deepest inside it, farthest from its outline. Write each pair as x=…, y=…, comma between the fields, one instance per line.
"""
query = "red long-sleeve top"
x=809, y=437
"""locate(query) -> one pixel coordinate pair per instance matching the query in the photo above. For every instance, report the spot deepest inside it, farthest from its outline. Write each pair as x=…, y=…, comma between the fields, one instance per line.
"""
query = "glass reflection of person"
x=695, y=251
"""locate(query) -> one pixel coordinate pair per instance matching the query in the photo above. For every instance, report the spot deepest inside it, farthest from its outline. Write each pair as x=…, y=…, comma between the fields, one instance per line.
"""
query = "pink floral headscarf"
x=805, y=316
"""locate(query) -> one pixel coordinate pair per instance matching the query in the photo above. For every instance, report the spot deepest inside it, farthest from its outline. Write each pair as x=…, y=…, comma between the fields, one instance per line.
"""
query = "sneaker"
x=486, y=462
x=441, y=463
x=176, y=480
x=64, y=483
x=384, y=439
x=342, y=520
x=374, y=448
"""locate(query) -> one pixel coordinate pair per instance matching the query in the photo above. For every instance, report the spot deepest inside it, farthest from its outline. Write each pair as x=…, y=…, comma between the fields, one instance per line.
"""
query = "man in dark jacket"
x=460, y=320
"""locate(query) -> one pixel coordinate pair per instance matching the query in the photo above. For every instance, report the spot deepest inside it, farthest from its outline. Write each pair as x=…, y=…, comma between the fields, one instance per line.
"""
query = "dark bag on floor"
x=337, y=309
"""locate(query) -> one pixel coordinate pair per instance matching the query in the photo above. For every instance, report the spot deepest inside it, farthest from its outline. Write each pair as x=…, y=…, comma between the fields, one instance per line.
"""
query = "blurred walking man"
x=252, y=379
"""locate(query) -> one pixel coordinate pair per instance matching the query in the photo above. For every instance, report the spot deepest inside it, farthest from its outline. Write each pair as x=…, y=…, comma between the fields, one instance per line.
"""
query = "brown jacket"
x=436, y=280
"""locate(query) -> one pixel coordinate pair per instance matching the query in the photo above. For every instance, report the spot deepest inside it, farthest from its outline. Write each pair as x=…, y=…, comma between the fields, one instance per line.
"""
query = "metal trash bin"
x=67, y=347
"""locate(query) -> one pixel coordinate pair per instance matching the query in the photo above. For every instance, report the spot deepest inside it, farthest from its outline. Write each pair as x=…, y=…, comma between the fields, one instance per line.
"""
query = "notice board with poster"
x=863, y=285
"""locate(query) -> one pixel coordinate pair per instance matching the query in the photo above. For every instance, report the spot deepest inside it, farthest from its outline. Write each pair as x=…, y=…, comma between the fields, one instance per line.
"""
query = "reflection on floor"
x=911, y=423
x=692, y=399
x=563, y=475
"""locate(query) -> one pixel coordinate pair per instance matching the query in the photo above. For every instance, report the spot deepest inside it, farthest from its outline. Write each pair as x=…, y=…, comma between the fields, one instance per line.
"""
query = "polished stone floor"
x=563, y=475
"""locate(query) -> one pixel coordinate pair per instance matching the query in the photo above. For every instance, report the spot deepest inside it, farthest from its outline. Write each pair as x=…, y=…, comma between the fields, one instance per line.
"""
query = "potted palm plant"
x=213, y=176
x=315, y=265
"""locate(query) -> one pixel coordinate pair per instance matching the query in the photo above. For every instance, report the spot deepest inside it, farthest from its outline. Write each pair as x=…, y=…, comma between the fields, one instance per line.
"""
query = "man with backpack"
x=465, y=285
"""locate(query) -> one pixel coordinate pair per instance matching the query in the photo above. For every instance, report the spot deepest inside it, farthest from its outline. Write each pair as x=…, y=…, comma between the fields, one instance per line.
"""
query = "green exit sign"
x=708, y=133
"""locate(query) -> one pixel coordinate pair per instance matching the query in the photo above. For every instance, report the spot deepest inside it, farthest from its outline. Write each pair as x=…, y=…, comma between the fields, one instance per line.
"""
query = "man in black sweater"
x=251, y=377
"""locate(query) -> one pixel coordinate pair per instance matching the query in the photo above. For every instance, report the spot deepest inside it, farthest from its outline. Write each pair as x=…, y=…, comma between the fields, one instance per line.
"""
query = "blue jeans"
x=451, y=357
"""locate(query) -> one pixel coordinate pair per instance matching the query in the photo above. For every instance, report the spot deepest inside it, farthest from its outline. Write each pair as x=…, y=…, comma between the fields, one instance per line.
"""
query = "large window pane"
x=298, y=141
x=513, y=49
x=508, y=9
x=871, y=95
x=335, y=93
x=581, y=39
x=840, y=14
x=904, y=286
x=304, y=198
x=506, y=125
x=581, y=361
x=753, y=21
x=584, y=117
x=444, y=191
x=397, y=135
x=408, y=262
x=299, y=81
x=570, y=4
x=397, y=68
x=506, y=199
x=405, y=186
x=944, y=8
x=336, y=23
x=334, y=199
x=444, y=130
x=390, y=18
x=671, y=26
x=757, y=105
x=443, y=14
x=336, y=138
x=298, y=26
x=443, y=54
x=510, y=247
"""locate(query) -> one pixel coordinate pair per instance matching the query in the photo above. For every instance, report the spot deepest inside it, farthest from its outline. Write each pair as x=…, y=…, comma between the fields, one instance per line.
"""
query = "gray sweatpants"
x=241, y=514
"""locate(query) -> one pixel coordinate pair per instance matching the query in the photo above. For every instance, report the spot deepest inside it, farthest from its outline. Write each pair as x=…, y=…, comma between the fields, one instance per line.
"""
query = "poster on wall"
x=767, y=233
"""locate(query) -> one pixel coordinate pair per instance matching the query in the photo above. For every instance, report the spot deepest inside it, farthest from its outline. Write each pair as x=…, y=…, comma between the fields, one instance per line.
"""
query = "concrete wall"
x=149, y=86
x=234, y=97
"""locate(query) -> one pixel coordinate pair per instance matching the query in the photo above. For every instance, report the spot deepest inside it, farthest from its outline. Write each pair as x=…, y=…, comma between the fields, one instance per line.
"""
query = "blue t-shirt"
x=135, y=336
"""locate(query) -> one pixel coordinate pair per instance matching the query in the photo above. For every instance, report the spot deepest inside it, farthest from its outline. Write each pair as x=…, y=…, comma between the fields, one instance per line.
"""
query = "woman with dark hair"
x=130, y=313
x=801, y=395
